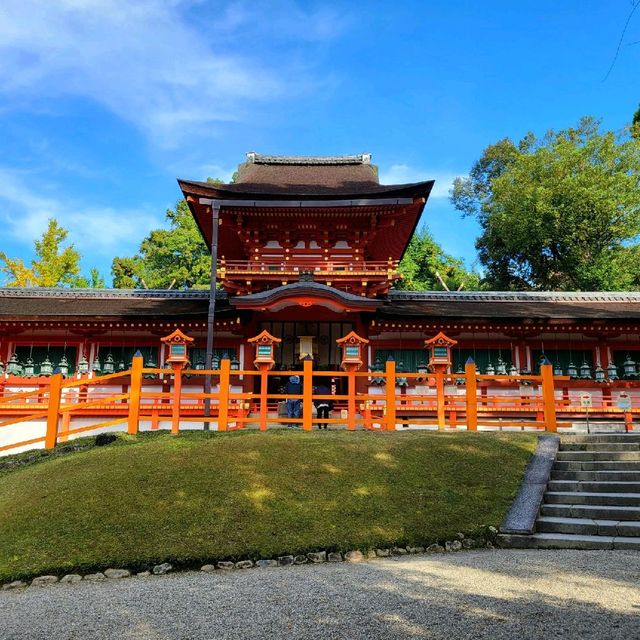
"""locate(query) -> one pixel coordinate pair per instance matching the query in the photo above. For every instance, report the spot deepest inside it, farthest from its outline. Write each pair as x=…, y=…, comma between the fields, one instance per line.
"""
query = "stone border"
x=521, y=518
x=461, y=543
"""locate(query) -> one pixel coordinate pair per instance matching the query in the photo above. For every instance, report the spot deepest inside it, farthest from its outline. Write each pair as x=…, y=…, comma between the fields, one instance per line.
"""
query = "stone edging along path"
x=317, y=557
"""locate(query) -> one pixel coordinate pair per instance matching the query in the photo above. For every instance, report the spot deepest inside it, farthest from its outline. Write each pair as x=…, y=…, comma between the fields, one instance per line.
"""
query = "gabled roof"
x=306, y=177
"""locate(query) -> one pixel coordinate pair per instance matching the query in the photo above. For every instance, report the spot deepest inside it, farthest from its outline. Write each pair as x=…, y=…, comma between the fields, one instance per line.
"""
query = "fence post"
x=175, y=400
x=55, y=388
x=548, y=397
x=440, y=397
x=223, y=396
x=390, y=378
x=471, y=386
x=307, y=394
x=264, y=386
x=133, y=422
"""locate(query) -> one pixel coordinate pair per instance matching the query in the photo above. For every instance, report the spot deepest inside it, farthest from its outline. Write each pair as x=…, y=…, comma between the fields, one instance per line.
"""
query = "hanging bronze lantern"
x=501, y=368
x=83, y=365
x=513, y=371
x=572, y=370
x=63, y=366
x=585, y=371
x=629, y=367
x=29, y=368
x=46, y=368
x=612, y=371
x=599, y=374
x=557, y=370
x=377, y=369
x=13, y=366
x=401, y=381
x=96, y=368
x=490, y=370
x=109, y=365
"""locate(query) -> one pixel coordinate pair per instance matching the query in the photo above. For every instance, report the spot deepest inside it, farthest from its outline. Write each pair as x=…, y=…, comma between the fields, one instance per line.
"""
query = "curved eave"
x=352, y=191
x=304, y=294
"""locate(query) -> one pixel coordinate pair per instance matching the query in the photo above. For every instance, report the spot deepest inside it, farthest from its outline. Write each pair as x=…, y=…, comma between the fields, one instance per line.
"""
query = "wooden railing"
x=56, y=410
x=300, y=263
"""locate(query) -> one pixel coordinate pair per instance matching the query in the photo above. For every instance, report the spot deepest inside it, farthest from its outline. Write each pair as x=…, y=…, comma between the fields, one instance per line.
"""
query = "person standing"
x=293, y=387
x=323, y=405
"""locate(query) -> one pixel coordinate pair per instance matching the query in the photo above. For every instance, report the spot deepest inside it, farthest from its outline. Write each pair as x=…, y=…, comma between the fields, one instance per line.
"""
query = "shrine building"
x=308, y=248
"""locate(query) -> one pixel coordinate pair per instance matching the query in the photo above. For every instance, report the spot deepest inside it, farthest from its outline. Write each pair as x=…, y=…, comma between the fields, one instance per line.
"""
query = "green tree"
x=557, y=213
x=635, y=124
x=55, y=265
x=176, y=257
x=425, y=266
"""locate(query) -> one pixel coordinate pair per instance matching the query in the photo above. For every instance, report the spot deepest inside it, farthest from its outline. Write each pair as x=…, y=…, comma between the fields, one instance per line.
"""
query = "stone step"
x=599, y=446
x=597, y=511
x=588, y=526
x=597, y=465
x=617, y=438
x=606, y=487
x=596, y=476
x=598, y=455
x=592, y=498
x=567, y=541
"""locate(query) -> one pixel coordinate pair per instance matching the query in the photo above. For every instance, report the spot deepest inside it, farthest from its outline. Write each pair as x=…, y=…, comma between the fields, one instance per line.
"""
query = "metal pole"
x=211, y=316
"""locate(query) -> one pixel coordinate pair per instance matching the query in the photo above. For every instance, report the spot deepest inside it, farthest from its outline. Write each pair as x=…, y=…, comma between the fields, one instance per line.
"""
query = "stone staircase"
x=592, y=499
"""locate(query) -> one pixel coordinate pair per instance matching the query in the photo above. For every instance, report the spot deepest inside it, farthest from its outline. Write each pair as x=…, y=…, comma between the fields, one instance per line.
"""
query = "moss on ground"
x=207, y=496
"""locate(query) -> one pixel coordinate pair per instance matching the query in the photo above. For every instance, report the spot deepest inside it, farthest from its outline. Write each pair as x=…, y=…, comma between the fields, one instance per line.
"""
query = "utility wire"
x=624, y=31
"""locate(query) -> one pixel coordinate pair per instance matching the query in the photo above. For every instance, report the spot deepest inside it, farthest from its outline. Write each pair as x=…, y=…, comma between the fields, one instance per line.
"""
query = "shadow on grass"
x=210, y=497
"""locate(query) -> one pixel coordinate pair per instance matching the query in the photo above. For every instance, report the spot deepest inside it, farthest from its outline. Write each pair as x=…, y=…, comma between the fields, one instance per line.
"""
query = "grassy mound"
x=214, y=496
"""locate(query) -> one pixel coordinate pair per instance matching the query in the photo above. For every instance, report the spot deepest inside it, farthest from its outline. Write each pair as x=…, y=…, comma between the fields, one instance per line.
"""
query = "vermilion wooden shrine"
x=308, y=250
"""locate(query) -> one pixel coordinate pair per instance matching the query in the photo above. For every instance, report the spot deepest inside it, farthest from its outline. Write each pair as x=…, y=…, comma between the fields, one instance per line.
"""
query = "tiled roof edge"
x=516, y=296
x=44, y=292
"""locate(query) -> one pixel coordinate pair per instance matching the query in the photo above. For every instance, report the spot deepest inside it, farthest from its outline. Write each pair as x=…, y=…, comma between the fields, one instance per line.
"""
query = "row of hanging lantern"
x=583, y=372
x=28, y=368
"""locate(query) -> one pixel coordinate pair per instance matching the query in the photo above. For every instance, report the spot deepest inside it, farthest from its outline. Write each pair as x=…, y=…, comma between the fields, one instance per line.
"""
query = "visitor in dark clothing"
x=293, y=387
x=323, y=406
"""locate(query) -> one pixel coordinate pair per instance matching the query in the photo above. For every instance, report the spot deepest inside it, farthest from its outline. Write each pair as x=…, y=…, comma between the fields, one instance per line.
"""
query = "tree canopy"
x=561, y=212
x=55, y=265
x=176, y=257
x=635, y=124
x=425, y=266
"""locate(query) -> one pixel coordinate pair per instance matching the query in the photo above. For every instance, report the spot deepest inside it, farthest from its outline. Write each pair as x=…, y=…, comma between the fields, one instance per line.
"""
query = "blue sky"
x=103, y=103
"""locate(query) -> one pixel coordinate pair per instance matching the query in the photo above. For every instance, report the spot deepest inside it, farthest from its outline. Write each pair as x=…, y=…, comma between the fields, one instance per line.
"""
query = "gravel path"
x=477, y=594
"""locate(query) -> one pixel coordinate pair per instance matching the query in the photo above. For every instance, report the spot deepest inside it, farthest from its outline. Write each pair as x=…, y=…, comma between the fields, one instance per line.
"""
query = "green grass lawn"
x=207, y=496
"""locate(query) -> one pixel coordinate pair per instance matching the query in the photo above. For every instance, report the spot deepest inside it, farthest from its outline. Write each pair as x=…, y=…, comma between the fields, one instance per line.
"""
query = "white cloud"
x=100, y=232
x=149, y=62
x=402, y=173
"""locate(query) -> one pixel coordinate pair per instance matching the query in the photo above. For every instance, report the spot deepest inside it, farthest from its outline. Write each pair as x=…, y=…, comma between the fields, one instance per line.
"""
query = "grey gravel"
x=485, y=595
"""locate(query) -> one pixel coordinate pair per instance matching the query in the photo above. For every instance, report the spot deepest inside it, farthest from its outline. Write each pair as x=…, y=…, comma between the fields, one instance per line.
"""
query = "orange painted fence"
x=142, y=398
